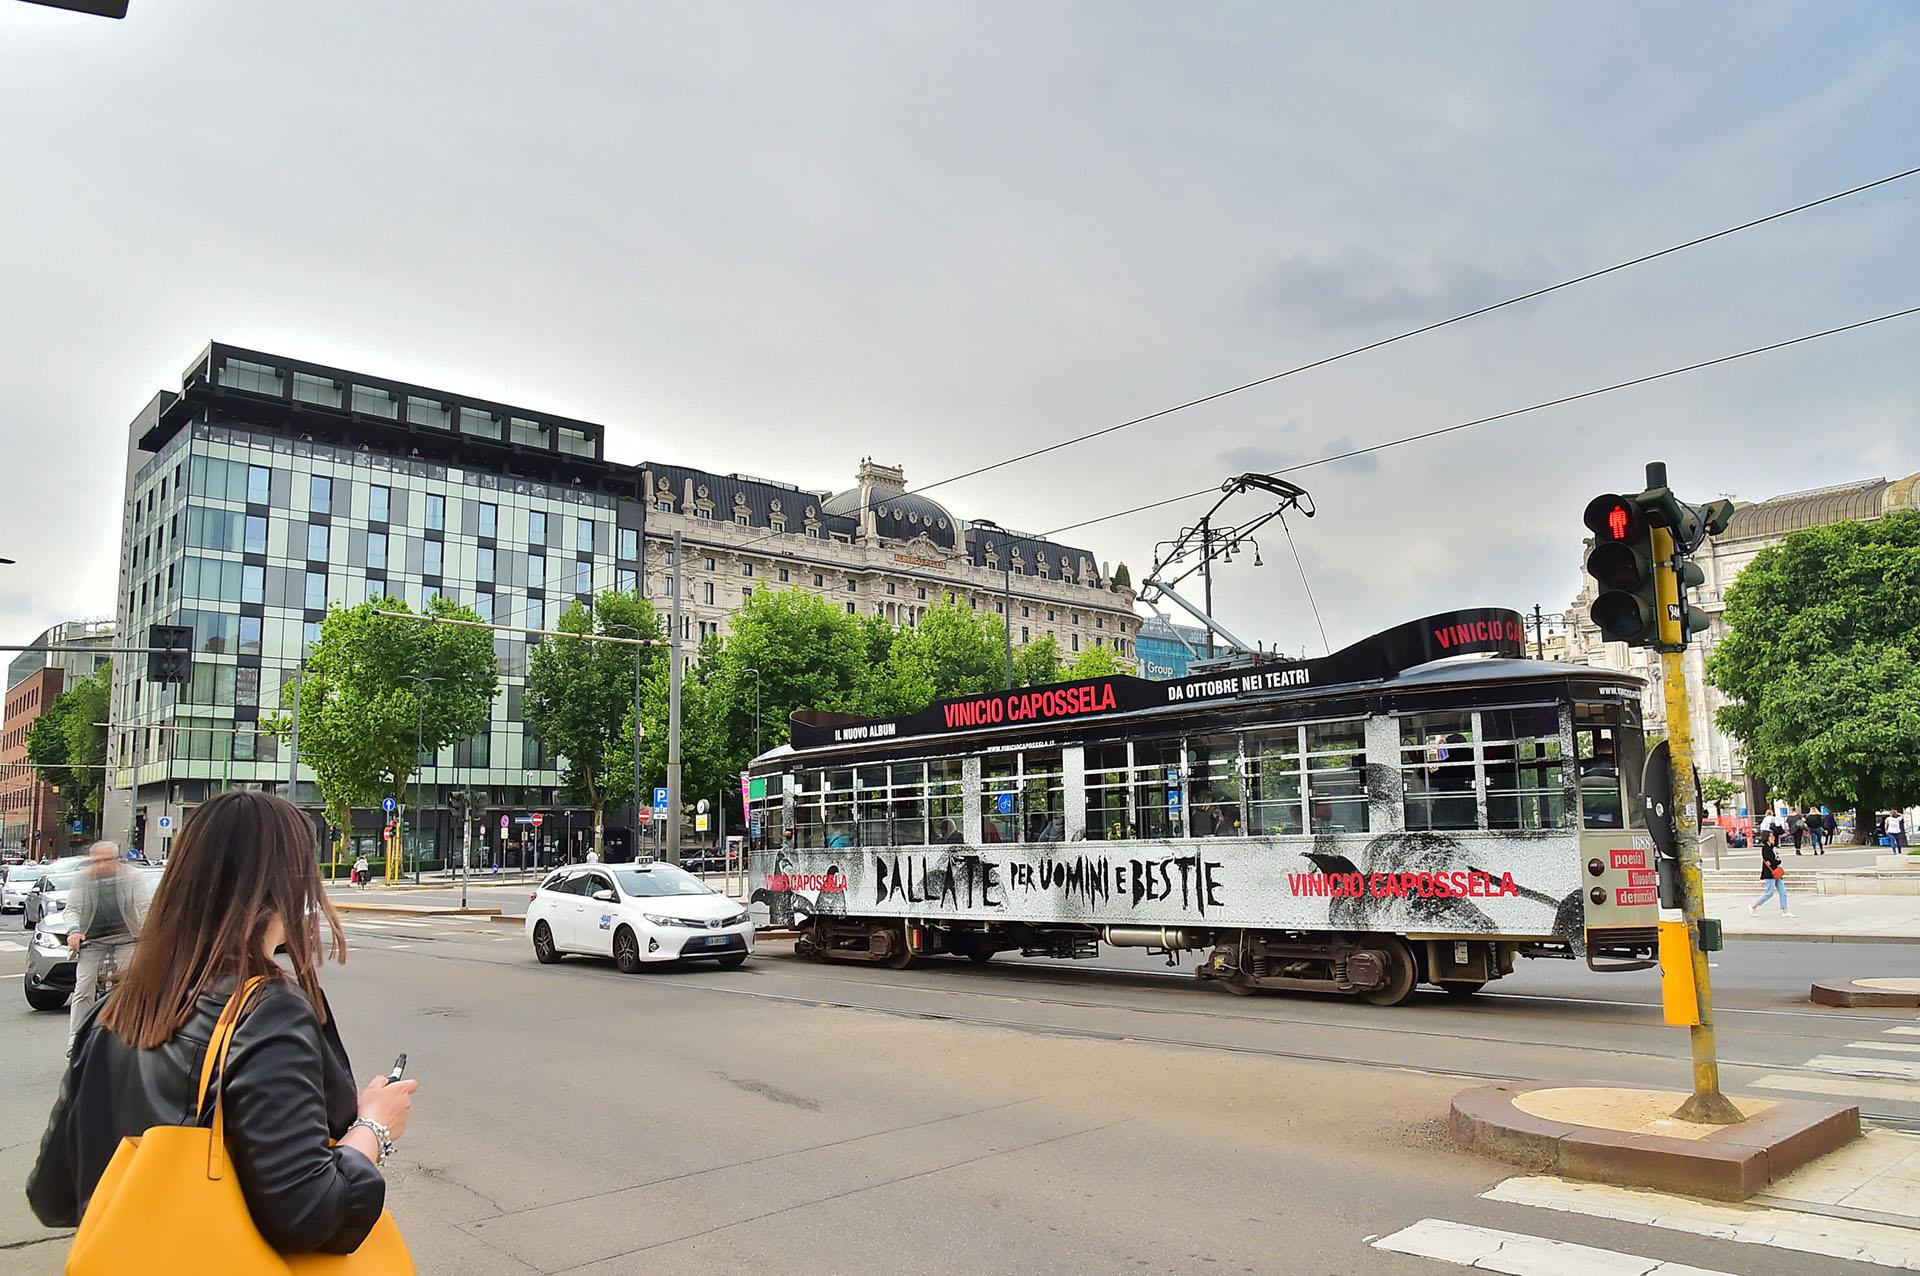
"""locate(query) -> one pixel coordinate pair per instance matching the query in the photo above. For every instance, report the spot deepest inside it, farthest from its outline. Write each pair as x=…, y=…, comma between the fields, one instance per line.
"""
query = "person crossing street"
x=108, y=907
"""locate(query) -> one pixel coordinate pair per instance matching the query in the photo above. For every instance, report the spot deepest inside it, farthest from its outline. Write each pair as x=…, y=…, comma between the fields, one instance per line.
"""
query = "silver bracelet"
x=381, y=1134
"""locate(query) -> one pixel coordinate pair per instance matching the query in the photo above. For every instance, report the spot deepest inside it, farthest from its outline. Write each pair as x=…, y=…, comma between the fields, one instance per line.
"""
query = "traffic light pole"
x=1707, y=1105
x=672, y=836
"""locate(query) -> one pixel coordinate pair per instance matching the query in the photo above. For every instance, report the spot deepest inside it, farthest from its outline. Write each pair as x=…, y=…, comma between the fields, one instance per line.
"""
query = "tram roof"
x=1469, y=650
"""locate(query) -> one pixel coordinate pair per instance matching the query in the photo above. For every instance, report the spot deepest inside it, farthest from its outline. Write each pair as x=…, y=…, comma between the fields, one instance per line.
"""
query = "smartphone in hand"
x=399, y=1069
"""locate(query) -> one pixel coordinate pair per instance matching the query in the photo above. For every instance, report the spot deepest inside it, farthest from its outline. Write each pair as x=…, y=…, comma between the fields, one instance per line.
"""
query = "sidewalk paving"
x=1820, y=918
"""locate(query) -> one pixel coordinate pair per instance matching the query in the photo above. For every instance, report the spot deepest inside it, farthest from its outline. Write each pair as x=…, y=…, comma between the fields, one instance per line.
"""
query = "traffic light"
x=1621, y=563
x=170, y=653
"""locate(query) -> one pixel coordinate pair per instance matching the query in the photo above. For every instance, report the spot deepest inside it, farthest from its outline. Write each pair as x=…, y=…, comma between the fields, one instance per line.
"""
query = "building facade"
x=267, y=490
x=1754, y=527
x=30, y=808
x=1167, y=649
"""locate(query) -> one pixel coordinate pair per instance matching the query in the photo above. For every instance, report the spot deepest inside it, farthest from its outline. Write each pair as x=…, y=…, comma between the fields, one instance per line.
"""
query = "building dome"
x=886, y=509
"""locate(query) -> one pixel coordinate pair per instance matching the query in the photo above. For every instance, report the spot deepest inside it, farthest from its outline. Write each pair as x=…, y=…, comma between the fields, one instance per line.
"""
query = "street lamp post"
x=756, y=711
x=419, y=746
x=1006, y=590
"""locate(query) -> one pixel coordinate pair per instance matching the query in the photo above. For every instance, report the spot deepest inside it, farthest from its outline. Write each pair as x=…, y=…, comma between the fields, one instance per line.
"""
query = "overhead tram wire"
x=1628, y=264
x=1502, y=416
x=1298, y=562
x=1426, y=328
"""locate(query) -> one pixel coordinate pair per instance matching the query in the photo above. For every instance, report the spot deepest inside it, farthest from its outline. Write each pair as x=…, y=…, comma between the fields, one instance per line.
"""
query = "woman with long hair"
x=243, y=885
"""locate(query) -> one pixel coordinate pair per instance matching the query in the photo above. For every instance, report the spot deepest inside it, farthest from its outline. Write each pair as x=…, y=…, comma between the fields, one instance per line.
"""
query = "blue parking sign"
x=660, y=799
x=1173, y=799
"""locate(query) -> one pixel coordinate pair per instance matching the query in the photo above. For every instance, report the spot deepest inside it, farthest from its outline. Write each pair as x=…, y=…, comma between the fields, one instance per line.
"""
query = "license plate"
x=717, y=941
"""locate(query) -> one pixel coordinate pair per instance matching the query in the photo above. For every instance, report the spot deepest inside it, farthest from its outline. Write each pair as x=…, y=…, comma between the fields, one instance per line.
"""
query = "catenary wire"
x=1426, y=328
x=1502, y=416
x=1298, y=562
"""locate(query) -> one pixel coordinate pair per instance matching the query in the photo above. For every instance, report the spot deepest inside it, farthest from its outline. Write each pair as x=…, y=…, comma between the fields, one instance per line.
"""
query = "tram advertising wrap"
x=1426, y=805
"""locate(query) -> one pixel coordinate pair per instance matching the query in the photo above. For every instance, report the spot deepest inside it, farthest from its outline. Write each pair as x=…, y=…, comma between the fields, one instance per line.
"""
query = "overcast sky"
x=776, y=238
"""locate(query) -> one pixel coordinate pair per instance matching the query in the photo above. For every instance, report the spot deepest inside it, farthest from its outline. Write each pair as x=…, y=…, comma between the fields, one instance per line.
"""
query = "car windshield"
x=662, y=879
x=25, y=872
x=62, y=881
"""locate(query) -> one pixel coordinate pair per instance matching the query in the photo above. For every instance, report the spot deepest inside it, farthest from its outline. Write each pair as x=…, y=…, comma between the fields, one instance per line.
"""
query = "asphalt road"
x=1024, y=1116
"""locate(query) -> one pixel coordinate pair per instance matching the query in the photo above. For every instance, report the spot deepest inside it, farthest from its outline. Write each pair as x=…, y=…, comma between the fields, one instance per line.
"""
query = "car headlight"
x=663, y=921
x=49, y=940
x=738, y=919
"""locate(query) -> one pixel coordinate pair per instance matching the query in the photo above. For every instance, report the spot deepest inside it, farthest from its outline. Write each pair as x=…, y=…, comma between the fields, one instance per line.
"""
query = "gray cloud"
x=1358, y=286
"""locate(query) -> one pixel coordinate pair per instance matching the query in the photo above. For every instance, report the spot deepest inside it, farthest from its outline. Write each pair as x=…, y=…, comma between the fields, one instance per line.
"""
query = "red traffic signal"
x=1613, y=519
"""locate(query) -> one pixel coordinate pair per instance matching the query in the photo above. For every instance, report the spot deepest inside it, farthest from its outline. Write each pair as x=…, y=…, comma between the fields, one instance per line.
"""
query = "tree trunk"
x=1866, y=831
x=599, y=824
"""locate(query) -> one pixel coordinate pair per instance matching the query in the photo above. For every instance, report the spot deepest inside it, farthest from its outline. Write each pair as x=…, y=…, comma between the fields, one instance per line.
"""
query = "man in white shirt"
x=593, y=857
x=1896, y=829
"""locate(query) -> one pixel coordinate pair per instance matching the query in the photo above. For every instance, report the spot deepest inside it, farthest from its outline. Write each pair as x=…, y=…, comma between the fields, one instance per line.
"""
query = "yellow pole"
x=1707, y=1105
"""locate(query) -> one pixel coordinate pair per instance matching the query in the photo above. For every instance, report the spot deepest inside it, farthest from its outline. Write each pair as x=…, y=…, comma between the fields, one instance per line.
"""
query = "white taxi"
x=636, y=914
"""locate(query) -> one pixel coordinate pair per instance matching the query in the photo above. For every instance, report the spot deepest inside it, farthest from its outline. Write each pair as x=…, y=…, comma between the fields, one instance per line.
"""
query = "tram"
x=1425, y=806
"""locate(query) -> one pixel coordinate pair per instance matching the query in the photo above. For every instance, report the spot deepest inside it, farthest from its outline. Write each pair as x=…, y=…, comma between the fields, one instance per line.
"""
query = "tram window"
x=1000, y=798
x=837, y=799
x=1609, y=753
x=870, y=805
x=946, y=801
x=1274, y=783
x=1213, y=781
x=1043, y=808
x=1525, y=768
x=809, y=827
x=1336, y=776
x=907, y=807
x=1107, y=785
x=1154, y=761
x=1437, y=768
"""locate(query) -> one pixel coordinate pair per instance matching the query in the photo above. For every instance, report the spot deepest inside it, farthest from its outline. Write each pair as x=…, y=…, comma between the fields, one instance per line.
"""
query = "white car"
x=636, y=914
x=21, y=879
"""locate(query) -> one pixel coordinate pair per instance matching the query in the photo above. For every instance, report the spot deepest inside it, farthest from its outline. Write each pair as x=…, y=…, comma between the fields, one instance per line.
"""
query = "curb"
x=1730, y=1164
x=412, y=910
x=1821, y=937
x=1852, y=993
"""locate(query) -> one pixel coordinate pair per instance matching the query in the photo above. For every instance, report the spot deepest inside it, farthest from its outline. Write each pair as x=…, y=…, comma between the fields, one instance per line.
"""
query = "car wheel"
x=733, y=961
x=543, y=950
x=626, y=951
x=44, y=998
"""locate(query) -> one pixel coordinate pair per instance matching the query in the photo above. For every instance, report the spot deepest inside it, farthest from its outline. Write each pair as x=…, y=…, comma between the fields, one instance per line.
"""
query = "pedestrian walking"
x=107, y=907
x=1816, y=833
x=243, y=886
x=1797, y=827
x=1829, y=826
x=1773, y=873
x=1896, y=830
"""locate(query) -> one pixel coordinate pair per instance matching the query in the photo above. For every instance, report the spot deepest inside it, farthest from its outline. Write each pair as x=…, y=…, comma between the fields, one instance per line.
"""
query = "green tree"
x=1719, y=790
x=580, y=697
x=1037, y=663
x=67, y=744
x=954, y=651
x=381, y=692
x=1097, y=662
x=1122, y=578
x=1822, y=663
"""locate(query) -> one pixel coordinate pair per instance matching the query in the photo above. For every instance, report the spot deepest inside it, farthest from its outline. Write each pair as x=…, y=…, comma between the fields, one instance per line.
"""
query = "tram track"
x=1406, y=1032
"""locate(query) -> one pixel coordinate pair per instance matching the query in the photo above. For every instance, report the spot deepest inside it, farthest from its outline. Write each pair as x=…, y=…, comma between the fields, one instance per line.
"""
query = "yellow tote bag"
x=169, y=1205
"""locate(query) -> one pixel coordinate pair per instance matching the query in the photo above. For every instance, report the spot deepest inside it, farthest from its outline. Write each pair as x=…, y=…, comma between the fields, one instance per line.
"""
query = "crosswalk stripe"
x=1905, y=1031
x=1848, y=1066
x=1803, y=1233
x=1488, y=1249
x=12, y=946
x=1884, y=1045
x=1842, y=1087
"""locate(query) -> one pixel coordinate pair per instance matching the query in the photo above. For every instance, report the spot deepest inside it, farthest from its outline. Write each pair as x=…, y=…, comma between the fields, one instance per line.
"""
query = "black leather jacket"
x=289, y=1092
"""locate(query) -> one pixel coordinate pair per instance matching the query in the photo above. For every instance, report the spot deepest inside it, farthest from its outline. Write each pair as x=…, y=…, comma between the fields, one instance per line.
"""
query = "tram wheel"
x=980, y=956
x=1401, y=974
x=1462, y=992
x=899, y=955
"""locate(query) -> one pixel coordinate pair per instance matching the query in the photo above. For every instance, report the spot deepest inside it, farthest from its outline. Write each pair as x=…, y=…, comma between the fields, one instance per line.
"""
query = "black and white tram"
x=1424, y=806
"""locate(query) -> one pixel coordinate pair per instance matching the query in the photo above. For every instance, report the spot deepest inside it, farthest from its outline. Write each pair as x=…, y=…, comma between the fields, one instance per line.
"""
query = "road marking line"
x=1906, y=1031
x=1847, y=1066
x=1863, y=1242
x=1884, y=1045
x=1489, y=1250
x=1900, y=1092
x=15, y=946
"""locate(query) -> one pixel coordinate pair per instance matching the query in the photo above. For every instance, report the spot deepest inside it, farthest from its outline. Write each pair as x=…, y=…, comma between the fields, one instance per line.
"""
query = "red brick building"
x=29, y=809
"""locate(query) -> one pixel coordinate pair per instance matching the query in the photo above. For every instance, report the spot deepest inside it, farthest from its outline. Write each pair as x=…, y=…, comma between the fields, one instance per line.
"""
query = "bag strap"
x=223, y=1033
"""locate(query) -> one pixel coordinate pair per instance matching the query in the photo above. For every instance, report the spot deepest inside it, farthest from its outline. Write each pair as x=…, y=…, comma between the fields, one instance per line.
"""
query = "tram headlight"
x=1595, y=867
x=1598, y=895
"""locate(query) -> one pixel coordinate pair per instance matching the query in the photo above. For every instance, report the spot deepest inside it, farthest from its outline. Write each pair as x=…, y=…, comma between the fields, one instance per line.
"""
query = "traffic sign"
x=700, y=823
x=388, y=805
x=166, y=822
x=660, y=799
x=504, y=821
x=538, y=819
x=79, y=826
x=1004, y=803
x=646, y=815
